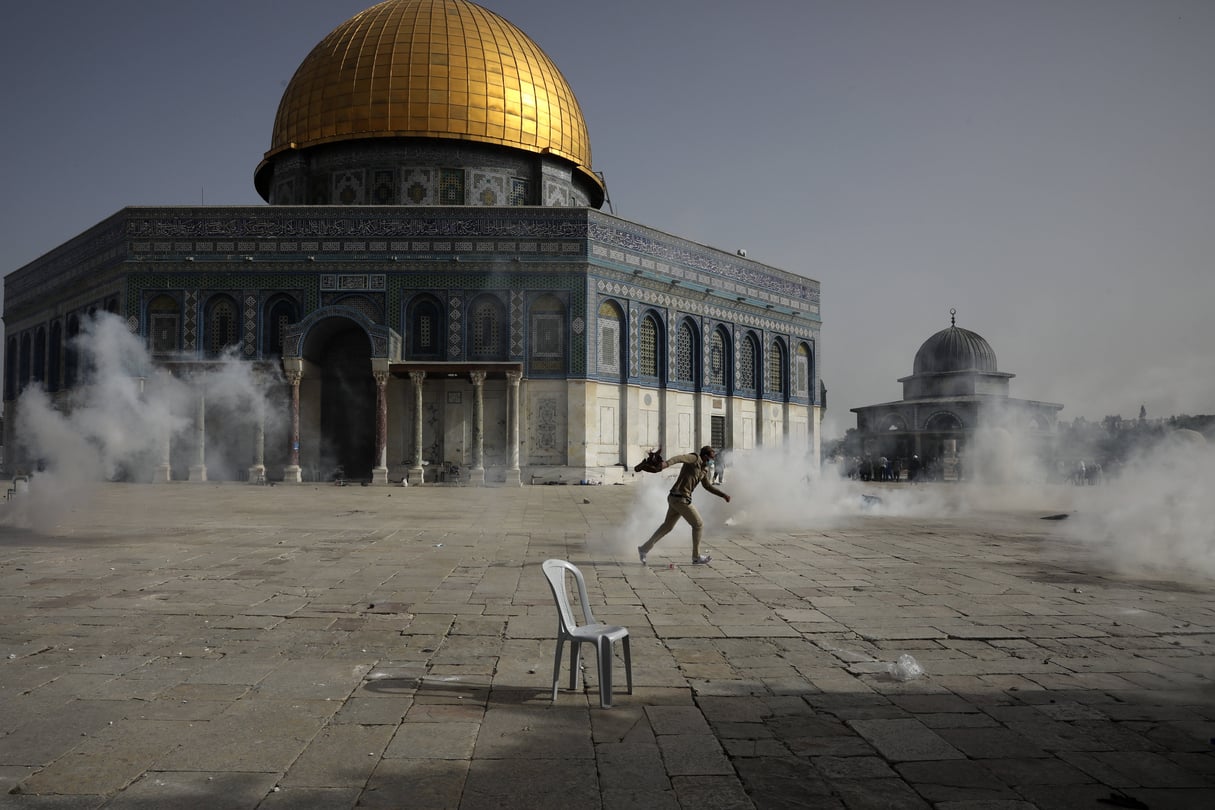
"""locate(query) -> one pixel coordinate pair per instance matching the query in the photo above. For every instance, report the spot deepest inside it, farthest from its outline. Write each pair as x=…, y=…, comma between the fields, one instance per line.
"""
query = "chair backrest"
x=555, y=571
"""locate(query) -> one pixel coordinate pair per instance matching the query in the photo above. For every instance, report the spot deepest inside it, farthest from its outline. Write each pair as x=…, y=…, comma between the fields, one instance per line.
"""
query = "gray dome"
x=954, y=349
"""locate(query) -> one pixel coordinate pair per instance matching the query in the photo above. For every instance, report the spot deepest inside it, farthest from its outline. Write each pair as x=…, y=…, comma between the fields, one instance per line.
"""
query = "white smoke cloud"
x=1156, y=517
x=115, y=423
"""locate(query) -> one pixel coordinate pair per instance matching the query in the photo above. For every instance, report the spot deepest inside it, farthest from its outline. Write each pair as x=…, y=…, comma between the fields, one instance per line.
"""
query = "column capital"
x=381, y=378
x=477, y=377
x=294, y=375
x=417, y=377
x=513, y=377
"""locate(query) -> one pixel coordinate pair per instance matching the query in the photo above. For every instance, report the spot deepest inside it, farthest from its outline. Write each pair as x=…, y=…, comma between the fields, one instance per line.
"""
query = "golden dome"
x=432, y=69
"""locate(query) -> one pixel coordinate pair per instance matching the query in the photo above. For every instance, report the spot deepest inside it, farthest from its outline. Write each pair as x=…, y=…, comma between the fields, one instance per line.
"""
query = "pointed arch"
x=71, y=360
x=55, y=359
x=221, y=325
x=720, y=370
x=38, y=372
x=775, y=365
x=488, y=328
x=424, y=328
x=10, y=369
x=686, y=365
x=803, y=372
x=649, y=347
x=23, y=372
x=546, y=335
x=164, y=325
x=610, y=339
x=943, y=422
x=747, y=376
x=280, y=312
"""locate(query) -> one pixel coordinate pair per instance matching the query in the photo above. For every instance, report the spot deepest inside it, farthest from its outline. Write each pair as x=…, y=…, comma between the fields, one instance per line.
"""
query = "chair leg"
x=605, y=672
x=557, y=666
x=575, y=662
x=628, y=664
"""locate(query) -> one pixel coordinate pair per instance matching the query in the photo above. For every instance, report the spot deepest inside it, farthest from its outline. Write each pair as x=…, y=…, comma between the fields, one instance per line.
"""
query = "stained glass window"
x=488, y=334
x=684, y=342
x=803, y=370
x=648, y=347
x=776, y=369
x=746, y=363
x=717, y=358
x=221, y=326
x=610, y=320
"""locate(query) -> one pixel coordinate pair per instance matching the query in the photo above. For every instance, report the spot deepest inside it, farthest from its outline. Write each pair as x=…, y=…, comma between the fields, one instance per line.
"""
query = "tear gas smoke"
x=1156, y=516
x=115, y=423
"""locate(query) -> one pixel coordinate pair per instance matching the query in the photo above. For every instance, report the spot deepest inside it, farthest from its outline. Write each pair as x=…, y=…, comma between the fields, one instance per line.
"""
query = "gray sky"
x=1044, y=166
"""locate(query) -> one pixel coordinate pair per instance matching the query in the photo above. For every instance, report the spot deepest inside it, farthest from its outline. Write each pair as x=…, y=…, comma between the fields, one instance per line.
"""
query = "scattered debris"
x=906, y=668
x=1060, y=516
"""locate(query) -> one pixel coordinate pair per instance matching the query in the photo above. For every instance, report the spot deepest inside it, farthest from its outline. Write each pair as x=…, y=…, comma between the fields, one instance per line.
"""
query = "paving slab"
x=222, y=645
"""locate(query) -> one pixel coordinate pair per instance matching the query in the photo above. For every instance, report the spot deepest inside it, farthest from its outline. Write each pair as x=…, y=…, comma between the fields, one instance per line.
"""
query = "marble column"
x=513, y=478
x=163, y=473
x=415, y=475
x=476, y=476
x=198, y=470
x=257, y=472
x=379, y=473
x=291, y=473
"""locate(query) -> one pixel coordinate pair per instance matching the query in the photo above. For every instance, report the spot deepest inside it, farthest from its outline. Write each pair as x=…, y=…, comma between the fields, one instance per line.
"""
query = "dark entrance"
x=348, y=403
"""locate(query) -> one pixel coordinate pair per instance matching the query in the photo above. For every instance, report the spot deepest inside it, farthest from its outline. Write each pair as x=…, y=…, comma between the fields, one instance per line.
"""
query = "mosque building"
x=954, y=392
x=432, y=286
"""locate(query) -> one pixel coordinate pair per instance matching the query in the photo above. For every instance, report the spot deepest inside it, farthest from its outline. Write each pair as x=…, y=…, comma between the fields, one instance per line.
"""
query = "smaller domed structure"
x=954, y=390
x=954, y=349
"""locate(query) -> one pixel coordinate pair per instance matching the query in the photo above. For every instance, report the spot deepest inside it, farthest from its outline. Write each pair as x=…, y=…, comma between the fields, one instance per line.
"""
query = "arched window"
x=280, y=313
x=647, y=346
x=546, y=337
x=164, y=317
x=803, y=371
x=54, y=361
x=747, y=353
x=685, y=353
x=424, y=321
x=23, y=373
x=487, y=329
x=610, y=334
x=719, y=358
x=221, y=325
x=71, y=360
x=38, y=373
x=775, y=377
x=944, y=421
x=10, y=369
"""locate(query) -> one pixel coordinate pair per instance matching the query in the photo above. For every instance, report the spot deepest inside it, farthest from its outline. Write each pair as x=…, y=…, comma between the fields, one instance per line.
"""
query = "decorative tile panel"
x=189, y=332
x=455, y=327
x=516, y=325
x=250, y=338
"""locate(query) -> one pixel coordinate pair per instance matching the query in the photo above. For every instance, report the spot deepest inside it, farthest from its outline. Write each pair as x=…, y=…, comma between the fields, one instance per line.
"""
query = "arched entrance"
x=339, y=355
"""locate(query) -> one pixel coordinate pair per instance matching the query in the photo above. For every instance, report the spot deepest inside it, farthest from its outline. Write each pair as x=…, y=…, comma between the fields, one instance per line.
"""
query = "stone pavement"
x=227, y=646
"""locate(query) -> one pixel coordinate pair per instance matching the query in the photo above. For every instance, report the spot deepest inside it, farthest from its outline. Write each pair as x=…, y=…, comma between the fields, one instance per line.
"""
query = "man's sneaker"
x=704, y=560
x=641, y=554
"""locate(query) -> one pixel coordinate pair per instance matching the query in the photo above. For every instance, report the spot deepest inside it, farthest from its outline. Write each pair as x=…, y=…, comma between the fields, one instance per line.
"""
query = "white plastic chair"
x=591, y=631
